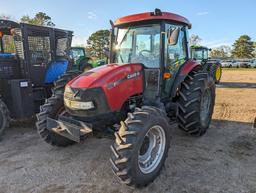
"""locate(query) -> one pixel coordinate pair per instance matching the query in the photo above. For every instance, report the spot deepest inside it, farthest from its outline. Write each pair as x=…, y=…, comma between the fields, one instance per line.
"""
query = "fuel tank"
x=118, y=82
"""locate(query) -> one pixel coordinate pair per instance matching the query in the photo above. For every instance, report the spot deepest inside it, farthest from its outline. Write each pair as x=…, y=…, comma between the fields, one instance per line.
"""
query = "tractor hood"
x=117, y=83
x=105, y=76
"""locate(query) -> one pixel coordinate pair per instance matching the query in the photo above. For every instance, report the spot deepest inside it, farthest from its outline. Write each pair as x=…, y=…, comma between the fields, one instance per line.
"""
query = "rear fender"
x=188, y=67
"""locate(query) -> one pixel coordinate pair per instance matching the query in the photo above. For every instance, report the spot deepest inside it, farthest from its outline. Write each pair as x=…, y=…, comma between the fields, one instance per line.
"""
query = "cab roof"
x=7, y=25
x=199, y=47
x=157, y=15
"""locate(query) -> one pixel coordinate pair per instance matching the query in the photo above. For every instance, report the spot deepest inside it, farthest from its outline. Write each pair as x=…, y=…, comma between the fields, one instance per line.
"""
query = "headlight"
x=76, y=105
x=68, y=89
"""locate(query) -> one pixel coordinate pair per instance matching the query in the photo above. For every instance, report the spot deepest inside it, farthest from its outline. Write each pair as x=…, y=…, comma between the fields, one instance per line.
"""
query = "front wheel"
x=141, y=146
x=52, y=108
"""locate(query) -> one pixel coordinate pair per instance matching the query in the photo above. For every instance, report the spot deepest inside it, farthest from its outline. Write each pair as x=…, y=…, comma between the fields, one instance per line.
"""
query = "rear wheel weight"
x=141, y=146
x=196, y=103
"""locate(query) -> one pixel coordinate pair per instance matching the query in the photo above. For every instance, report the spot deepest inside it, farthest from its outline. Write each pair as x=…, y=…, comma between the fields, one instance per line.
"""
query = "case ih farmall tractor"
x=201, y=54
x=149, y=82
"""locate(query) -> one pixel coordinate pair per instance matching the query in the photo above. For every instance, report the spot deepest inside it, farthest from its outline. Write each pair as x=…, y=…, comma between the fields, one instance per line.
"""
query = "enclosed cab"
x=31, y=59
x=212, y=66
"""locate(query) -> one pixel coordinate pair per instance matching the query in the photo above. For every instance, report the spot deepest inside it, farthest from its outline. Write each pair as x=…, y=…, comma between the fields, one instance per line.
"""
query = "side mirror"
x=173, y=35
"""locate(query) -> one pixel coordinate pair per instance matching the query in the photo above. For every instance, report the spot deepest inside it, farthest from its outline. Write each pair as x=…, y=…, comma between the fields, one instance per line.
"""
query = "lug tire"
x=85, y=66
x=189, y=112
x=59, y=85
x=128, y=142
x=213, y=71
x=4, y=113
x=51, y=109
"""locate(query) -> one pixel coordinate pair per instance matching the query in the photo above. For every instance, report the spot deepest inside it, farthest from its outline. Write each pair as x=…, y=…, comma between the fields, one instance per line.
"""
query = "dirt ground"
x=223, y=160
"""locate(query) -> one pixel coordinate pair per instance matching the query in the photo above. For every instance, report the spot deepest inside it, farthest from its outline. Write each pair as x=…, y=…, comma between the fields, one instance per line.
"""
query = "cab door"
x=176, y=55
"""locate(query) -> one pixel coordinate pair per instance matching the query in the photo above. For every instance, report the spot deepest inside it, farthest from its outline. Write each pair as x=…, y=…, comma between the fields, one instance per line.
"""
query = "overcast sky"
x=217, y=22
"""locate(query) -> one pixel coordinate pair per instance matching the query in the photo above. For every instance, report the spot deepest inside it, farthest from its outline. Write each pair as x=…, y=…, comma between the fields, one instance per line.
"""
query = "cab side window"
x=176, y=54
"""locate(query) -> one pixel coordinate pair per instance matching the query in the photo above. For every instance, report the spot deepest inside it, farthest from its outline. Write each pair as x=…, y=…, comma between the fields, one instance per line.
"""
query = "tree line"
x=95, y=43
x=243, y=48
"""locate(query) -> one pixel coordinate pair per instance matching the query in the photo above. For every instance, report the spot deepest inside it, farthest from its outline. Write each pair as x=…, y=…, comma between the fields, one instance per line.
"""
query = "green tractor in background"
x=82, y=61
x=201, y=54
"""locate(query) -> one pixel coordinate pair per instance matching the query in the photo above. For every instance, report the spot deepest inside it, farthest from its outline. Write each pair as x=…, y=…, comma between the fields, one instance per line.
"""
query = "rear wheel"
x=4, y=117
x=59, y=85
x=84, y=65
x=141, y=146
x=196, y=103
x=216, y=72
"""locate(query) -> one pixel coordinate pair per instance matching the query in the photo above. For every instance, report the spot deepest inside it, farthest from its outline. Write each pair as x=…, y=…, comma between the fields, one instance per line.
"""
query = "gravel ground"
x=221, y=161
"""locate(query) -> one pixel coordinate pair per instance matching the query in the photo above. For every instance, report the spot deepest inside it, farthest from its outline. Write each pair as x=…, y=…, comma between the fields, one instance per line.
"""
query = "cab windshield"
x=199, y=54
x=139, y=44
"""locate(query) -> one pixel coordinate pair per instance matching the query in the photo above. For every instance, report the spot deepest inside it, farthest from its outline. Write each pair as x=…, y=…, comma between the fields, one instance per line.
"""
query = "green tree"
x=39, y=19
x=219, y=52
x=97, y=42
x=254, y=52
x=195, y=40
x=243, y=47
x=7, y=17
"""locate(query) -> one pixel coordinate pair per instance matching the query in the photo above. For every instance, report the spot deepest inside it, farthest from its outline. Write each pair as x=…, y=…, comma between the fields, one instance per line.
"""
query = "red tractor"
x=150, y=83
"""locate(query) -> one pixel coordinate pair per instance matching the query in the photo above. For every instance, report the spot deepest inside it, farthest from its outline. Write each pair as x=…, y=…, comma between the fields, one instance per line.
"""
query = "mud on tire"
x=4, y=117
x=133, y=142
x=194, y=113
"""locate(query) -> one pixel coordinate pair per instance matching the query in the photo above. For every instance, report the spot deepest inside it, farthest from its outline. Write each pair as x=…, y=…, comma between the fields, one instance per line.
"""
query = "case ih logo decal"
x=128, y=77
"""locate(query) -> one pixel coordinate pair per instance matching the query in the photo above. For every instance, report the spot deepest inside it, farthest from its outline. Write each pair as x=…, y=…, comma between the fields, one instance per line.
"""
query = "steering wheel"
x=142, y=51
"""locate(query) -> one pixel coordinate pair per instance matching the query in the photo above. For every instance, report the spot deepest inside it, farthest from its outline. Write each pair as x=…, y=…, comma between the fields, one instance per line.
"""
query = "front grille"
x=96, y=95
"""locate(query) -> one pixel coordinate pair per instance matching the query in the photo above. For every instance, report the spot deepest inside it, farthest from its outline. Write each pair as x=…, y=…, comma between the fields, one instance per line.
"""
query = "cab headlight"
x=77, y=105
x=68, y=89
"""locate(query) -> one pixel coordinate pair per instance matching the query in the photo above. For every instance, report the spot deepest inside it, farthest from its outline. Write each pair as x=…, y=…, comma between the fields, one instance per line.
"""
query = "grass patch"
x=239, y=69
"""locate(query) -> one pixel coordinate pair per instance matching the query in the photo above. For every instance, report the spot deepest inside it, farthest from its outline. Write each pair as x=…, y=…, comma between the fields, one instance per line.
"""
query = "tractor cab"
x=200, y=53
x=158, y=41
x=82, y=61
x=213, y=67
x=31, y=59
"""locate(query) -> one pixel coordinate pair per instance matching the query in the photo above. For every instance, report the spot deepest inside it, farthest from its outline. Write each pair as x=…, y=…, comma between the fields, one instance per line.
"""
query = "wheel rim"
x=205, y=106
x=218, y=73
x=152, y=149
